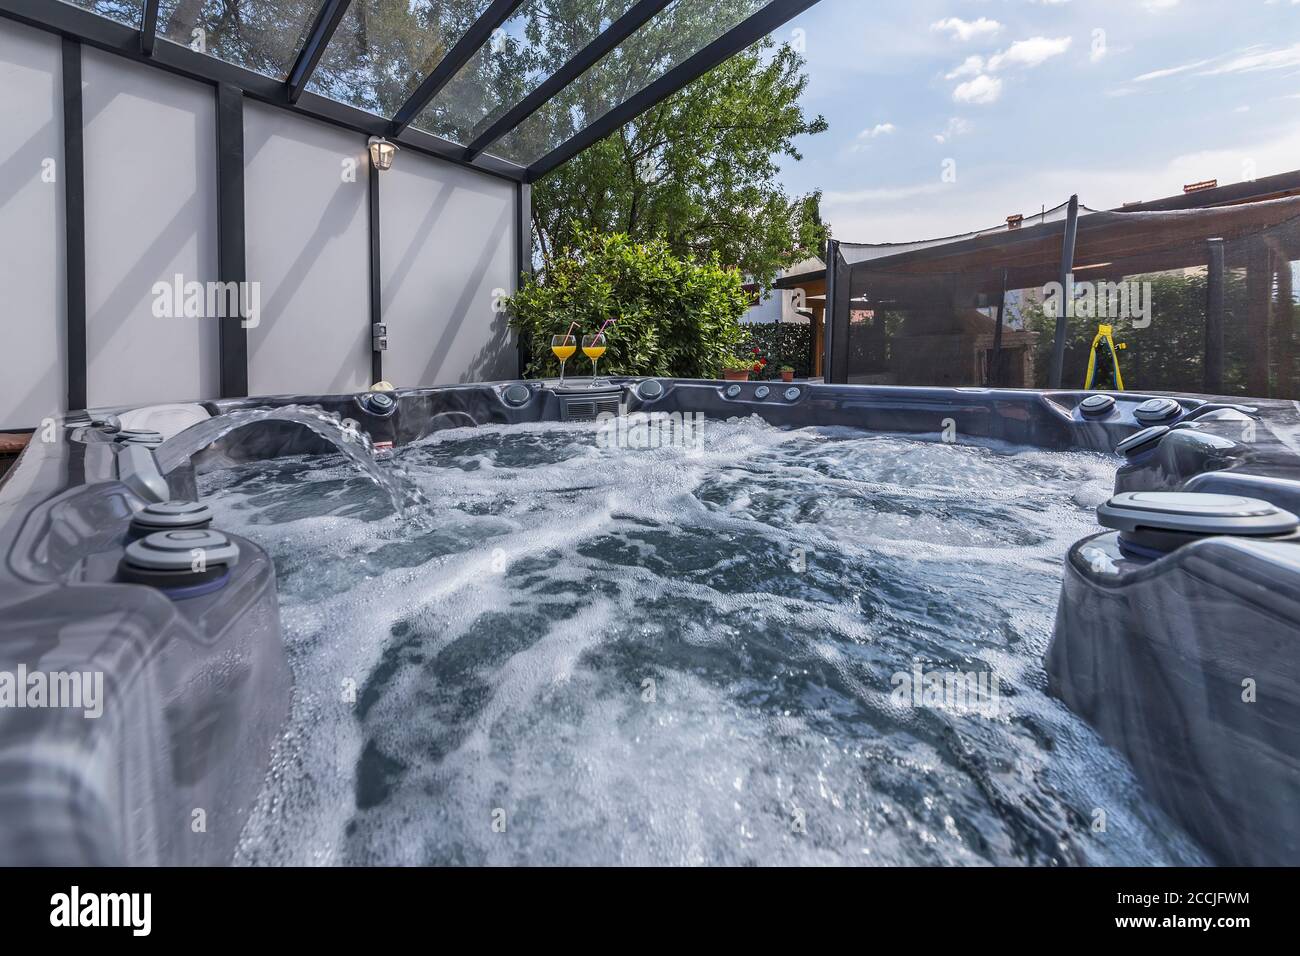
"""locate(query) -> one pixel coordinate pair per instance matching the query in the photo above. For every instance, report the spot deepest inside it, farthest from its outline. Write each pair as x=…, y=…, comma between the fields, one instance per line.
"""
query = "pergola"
x=442, y=107
x=494, y=94
x=1179, y=232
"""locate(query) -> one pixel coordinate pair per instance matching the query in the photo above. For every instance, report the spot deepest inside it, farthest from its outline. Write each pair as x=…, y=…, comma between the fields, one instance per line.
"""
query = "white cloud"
x=966, y=30
x=956, y=127
x=1029, y=53
x=1159, y=4
x=884, y=194
x=1170, y=71
x=919, y=212
x=1255, y=60
x=973, y=65
x=982, y=89
x=867, y=135
x=880, y=129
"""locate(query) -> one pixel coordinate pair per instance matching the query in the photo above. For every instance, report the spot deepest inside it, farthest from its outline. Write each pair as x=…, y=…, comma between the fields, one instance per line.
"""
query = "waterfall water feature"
x=352, y=442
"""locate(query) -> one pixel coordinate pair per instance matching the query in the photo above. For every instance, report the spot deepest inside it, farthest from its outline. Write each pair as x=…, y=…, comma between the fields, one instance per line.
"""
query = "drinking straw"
x=608, y=322
x=570, y=330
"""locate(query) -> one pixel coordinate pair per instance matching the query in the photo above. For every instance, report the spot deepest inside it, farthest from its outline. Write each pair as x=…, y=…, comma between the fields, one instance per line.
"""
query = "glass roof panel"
x=384, y=48
x=259, y=35
x=668, y=39
x=130, y=12
x=541, y=37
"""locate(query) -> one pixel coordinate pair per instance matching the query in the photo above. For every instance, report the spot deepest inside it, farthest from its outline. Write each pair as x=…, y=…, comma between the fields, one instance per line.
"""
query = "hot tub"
x=657, y=621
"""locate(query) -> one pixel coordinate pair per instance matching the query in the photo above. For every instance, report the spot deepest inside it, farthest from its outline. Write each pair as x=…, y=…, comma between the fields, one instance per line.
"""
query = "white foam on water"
x=594, y=655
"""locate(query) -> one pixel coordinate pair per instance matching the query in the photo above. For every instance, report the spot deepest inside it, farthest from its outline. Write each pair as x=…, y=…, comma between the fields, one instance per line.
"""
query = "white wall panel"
x=151, y=214
x=308, y=246
x=33, y=382
x=448, y=247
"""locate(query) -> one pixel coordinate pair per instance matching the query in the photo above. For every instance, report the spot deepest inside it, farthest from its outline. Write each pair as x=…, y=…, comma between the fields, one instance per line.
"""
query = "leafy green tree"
x=673, y=315
x=700, y=170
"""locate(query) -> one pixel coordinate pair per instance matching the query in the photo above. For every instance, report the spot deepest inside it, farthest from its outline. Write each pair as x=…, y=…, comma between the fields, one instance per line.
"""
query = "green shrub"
x=674, y=317
x=781, y=343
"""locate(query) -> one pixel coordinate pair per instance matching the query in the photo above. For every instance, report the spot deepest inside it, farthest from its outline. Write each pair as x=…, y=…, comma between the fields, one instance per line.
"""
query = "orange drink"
x=563, y=346
x=593, y=346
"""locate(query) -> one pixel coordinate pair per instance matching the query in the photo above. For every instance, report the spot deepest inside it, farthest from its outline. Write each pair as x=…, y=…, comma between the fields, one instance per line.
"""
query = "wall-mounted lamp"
x=382, y=152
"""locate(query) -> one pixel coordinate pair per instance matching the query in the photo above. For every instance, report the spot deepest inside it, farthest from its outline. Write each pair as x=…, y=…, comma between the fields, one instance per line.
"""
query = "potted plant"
x=787, y=373
x=735, y=369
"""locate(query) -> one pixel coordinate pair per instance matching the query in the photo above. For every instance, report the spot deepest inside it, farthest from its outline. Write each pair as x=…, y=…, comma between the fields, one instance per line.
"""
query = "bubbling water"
x=736, y=653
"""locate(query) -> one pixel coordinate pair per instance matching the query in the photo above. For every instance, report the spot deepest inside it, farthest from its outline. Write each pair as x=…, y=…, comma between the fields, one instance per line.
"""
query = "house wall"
x=778, y=305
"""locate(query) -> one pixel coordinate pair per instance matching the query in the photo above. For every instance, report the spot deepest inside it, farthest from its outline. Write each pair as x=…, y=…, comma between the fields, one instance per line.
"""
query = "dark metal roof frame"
x=726, y=46
x=322, y=31
x=497, y=13
x=583, y=60
x=100, y=33
x=149, y=27
x=140, y=45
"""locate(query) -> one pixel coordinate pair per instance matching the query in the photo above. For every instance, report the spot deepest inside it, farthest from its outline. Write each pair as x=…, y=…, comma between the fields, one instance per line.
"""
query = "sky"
x=949, y=115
